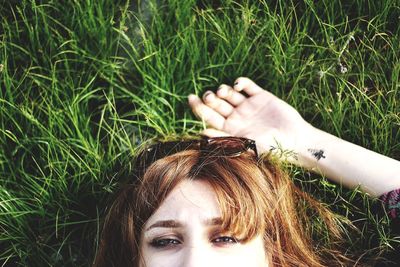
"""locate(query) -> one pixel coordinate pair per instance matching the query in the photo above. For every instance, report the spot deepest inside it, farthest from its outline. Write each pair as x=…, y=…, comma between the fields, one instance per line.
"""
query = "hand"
x=273, y=123
x=261, y=116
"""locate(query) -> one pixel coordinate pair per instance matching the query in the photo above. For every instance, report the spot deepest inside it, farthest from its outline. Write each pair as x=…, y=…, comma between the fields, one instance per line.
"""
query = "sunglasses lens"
x=218, y=146
x=164, y=149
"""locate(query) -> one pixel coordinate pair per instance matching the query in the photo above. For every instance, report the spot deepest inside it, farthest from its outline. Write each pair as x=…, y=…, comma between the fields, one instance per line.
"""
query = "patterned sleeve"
x=391, y=201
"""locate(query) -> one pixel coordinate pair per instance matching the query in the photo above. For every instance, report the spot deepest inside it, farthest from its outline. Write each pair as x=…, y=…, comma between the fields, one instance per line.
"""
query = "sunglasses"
x=208, y=147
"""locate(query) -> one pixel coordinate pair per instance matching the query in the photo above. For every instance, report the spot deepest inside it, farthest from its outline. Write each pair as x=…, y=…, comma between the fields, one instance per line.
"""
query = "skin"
x=273, y=124
x=261, y=116
x=185, y=232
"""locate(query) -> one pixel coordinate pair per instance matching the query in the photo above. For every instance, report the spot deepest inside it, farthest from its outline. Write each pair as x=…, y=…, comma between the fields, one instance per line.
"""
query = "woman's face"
x=186, y=231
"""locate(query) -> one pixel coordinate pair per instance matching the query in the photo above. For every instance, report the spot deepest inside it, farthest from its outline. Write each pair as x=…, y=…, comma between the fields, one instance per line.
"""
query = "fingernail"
x=222, y=91
x=191, y=97
x=208, y=95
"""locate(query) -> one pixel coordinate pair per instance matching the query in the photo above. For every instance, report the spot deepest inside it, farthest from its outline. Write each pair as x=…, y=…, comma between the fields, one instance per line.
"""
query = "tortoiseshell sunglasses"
x=209, y=147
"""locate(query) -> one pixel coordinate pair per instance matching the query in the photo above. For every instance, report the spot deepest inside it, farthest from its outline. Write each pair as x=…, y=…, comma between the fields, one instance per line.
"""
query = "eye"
x=224, y=240
x=164, y=242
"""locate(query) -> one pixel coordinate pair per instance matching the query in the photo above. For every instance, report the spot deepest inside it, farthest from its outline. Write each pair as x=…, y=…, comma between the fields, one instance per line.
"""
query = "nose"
x=199, y=257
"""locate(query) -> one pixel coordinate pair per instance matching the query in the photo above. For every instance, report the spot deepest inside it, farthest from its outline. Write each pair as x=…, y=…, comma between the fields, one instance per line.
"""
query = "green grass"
x=83, y=82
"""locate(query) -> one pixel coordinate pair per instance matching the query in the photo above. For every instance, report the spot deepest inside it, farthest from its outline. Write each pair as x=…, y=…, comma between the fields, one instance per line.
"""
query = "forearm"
x=347, y=163
x=274, y=124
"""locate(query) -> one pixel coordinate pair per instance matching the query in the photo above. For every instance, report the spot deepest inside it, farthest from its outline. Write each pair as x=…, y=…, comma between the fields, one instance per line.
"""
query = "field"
x=83, y=83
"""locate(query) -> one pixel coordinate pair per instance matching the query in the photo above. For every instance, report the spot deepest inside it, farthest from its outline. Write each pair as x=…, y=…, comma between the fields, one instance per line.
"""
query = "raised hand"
x=273, y=123
x=260, y=116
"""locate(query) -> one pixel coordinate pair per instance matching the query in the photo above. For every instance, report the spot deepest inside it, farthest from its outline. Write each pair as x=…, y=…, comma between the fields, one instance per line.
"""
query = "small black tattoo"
x=317, y=153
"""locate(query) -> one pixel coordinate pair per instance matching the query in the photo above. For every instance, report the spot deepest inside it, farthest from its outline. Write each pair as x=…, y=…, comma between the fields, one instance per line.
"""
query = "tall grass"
x=84, y=82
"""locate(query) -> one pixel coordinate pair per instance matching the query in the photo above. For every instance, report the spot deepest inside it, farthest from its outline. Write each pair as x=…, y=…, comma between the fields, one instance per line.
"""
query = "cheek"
x=163, y=261
x=251, y=254
x=151, y=258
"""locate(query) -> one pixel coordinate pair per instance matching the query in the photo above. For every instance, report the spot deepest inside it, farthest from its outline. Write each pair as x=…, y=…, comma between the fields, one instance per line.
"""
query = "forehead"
x=189, y=200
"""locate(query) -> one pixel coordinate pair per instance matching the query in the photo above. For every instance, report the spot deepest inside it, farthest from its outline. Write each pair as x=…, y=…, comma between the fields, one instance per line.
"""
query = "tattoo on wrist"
x=317, y=153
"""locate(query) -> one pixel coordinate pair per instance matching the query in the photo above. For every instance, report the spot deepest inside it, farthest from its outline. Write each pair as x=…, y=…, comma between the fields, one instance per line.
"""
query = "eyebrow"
x=177, y=224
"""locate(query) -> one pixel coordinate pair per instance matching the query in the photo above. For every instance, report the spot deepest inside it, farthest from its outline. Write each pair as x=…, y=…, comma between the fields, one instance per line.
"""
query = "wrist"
x=308, y=150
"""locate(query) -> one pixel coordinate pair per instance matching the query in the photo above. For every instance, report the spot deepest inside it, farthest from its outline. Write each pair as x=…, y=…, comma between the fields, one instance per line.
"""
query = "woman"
x=213, y=202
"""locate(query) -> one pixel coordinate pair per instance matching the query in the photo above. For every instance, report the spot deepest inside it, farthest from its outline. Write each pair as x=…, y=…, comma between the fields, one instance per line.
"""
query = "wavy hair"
x=256, y=198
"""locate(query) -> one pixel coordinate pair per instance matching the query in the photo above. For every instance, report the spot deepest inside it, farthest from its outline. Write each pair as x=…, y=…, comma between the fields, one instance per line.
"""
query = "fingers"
x=204, y=112
x=216, y=108
x=231, y=96
x=218, y=104
x=214, y=133
x=247, y=85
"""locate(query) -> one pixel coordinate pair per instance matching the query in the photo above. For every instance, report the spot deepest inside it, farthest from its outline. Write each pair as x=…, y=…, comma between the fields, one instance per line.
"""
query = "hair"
x=255, y=198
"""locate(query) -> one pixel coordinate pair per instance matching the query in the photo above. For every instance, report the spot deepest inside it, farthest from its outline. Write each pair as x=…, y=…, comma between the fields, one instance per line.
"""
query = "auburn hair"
x=255, y=197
